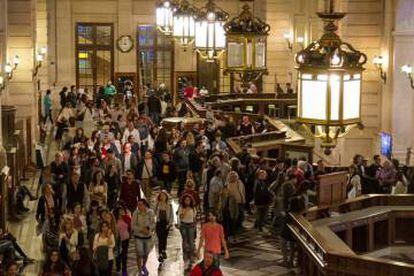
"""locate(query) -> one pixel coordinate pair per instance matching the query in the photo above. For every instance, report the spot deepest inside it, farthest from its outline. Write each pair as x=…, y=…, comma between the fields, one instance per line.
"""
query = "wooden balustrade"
x=321, y=254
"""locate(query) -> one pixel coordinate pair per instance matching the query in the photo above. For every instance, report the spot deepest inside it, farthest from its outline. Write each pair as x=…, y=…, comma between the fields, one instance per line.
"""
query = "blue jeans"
x=188, y=231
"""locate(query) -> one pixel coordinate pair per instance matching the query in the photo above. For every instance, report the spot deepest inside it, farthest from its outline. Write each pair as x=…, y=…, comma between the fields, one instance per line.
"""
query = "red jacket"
x=198, y=271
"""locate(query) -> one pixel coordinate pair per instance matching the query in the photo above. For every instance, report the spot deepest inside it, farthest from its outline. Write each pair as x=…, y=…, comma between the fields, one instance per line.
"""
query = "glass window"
x=94, y=54
x=155, y=57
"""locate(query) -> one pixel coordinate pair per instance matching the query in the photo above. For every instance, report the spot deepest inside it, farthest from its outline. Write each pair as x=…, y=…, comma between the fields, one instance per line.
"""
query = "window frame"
x=94, y=48
x=156, y=48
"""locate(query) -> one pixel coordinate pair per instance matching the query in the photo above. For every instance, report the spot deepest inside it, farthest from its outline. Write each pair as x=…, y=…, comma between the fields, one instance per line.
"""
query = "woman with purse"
x=103, y=246
x=68, y=241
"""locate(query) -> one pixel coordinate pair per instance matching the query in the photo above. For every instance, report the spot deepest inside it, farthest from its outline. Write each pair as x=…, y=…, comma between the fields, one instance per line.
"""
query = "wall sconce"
x=40, y=56
x=300, y=40
x=2, y=83
x=288, y=38
x=408, y=70
x=378, y=62
x=9, y=69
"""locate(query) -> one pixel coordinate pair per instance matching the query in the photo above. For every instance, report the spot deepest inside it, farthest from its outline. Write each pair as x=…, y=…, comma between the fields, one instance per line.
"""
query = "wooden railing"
x=318, y=258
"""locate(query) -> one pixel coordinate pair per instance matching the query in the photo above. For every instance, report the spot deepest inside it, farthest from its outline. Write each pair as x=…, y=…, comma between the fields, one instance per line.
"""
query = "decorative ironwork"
x=329, y=84
x=246, y=46
x=246, y=23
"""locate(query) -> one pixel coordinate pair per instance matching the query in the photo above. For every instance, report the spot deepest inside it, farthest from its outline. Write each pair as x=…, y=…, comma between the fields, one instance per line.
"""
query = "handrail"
x=363, y=265
x=331, y=262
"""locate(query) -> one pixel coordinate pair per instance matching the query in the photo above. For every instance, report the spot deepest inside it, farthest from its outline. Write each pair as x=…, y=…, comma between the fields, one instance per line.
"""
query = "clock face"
x=125, y=43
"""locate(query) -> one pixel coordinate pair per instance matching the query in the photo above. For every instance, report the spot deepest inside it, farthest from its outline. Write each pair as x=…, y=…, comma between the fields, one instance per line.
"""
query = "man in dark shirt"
x=196, y=161
x=75, y=192
x=370, y=183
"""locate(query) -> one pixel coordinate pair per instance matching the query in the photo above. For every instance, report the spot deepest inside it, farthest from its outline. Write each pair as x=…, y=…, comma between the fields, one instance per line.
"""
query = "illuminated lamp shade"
x=329, y=84
x=164, y=16
x=184, y=23
x=210, y=37
x=246, y=46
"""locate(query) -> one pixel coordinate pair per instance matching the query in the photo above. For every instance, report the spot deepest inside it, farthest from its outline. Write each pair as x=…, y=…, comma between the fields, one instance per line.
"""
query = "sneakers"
x=160, y=259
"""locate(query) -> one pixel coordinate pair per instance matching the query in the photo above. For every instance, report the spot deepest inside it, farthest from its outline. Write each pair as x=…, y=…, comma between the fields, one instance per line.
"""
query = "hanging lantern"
x=184, y=23
x=210, y=38
x=246, y=46
x=329, y=84
x=164, y=14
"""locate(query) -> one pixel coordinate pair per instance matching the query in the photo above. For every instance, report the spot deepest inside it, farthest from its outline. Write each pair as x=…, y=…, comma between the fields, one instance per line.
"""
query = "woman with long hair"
x=165, y=217
x=98, y=189
x=187, y=216
x=103, y=249
x=68, y=240
x=54, y=265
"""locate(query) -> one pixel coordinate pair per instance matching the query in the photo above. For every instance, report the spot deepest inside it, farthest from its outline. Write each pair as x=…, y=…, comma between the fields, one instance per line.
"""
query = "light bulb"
x=39, y=57
x=287, y=36
x=407, y=69
x=336, y=59
x=300, y=39
x=8, y=68
x=16, y=60
x=378, y=60
x=43, y=50
x=167, y=4
x=301, y=59
x=211, y=16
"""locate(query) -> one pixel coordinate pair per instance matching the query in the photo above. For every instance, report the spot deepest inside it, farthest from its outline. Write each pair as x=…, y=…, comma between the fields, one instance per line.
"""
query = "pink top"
x=213, y=233
x=123, y=229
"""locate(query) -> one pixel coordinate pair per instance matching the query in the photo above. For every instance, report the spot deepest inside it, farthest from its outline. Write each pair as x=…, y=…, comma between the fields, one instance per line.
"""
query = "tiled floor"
x=254, y=255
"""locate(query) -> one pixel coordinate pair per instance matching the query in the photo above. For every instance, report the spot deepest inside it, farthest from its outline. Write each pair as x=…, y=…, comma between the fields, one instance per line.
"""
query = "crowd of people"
x=118, y=177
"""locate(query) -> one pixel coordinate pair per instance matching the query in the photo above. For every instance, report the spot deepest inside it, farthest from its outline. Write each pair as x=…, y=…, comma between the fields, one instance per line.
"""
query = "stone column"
x=403, y=95
x=21, y=41
x=126, y=62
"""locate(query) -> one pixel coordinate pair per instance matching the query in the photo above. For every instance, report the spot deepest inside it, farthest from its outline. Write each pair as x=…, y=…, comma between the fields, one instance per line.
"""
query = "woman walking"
x=143, y=224
x=187, y=221
x=103, y=246
x=164, y=213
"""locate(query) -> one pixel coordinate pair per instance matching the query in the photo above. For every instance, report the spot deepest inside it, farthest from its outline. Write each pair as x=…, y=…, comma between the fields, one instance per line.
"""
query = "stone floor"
x=255, y=254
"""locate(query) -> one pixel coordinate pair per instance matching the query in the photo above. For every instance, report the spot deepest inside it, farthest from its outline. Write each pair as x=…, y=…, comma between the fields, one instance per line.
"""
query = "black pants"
x=48, y=115
x=182, y=177
x=108, y=271
x=162, y=233
x=121, y=259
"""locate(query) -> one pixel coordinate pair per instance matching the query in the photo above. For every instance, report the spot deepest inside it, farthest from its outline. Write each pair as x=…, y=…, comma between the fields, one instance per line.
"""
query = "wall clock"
x=125, y=43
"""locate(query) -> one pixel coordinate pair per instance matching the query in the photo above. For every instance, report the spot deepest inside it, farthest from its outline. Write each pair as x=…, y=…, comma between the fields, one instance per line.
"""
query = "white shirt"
x=127, y=162
x=134, y=133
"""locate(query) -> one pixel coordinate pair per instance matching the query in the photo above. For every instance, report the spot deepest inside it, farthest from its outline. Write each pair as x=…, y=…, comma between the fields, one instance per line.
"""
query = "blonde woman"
x=68, y=240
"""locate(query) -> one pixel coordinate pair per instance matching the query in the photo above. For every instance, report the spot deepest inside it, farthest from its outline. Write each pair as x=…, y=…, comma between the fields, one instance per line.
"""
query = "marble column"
x=21, y=37
x=403, y=95
x=126, y=62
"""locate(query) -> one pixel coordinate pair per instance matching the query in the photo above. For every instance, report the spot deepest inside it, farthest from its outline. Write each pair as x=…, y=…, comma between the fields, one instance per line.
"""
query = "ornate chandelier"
x=210, y=37
x=184, y=23
x=329, y=84
x=164, y=16
x=246, y=46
